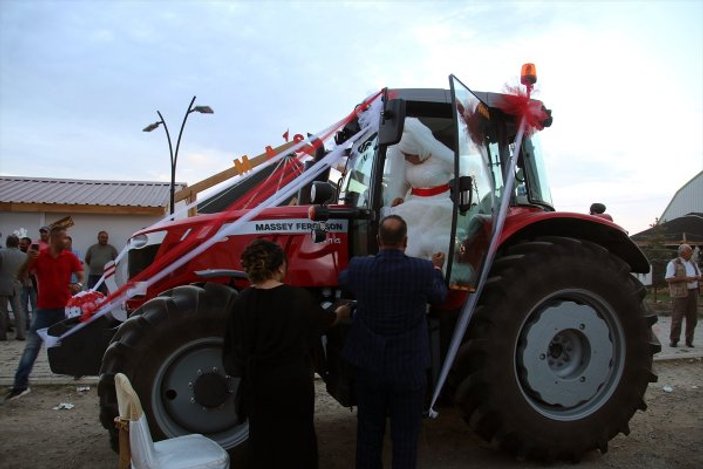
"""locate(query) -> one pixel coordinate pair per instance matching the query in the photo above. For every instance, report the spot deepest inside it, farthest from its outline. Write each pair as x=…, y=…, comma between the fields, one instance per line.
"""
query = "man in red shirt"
x=53, y=268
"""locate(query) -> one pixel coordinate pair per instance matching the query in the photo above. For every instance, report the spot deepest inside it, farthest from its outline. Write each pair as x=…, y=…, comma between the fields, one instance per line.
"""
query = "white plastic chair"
x=187, y=451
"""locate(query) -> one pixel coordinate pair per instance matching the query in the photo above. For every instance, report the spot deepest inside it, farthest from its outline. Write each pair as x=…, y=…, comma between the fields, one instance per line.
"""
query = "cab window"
x=357, y=178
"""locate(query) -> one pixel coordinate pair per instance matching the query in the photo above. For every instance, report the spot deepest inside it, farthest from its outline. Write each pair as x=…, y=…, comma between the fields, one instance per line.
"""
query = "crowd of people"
x=270, y=336
x=37, y=279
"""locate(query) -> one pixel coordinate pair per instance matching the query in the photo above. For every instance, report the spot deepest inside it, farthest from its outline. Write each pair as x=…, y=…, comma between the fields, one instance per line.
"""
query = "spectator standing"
x=684, y=277
x=24, y=244
x=44, y=237
x=97, y=256
x=11, y=259
x=389, y=343
x=271, y=331
x=76, y=252
x=53, y=268
x=29, y=286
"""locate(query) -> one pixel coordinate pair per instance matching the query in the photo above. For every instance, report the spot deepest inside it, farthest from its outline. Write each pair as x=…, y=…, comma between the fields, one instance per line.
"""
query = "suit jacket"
x=389, y=333
x=11, y=259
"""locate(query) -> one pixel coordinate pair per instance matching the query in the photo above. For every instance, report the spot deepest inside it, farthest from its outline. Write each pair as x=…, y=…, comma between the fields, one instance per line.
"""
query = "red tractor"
x=552, y=362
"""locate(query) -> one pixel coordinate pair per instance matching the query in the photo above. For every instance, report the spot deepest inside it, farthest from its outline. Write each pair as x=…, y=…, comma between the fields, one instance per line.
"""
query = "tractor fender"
x=525, y=225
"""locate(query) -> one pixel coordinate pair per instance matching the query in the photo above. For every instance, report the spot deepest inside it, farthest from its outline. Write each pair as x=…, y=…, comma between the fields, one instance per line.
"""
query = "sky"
x=80, y=79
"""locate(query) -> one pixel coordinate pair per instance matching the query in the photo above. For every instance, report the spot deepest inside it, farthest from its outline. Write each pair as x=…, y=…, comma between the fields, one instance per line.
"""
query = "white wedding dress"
x=428, y=212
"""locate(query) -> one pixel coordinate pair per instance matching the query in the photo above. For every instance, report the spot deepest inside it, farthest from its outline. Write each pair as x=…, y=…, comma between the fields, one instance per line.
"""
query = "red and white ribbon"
x=369, y=114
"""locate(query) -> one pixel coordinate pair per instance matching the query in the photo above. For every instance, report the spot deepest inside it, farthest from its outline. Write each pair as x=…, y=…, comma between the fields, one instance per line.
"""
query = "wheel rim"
x=570, y=355
x=192, y=394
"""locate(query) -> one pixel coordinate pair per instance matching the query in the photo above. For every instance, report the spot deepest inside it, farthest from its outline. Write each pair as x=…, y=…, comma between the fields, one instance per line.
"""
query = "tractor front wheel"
x=171, y=349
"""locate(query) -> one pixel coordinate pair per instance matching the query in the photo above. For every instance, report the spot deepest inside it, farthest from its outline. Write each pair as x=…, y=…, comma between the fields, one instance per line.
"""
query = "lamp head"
x=151, y=127
x=203, y=109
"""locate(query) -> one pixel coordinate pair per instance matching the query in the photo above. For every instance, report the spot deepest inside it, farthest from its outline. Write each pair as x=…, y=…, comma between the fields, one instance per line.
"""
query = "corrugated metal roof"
x=18, y=189
x=689, y=227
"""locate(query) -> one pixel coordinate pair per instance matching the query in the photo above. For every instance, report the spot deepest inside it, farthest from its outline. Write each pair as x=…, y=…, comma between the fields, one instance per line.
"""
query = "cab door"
x=478, y=164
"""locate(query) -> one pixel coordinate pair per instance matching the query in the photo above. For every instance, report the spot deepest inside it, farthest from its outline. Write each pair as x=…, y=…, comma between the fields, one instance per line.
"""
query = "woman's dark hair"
x=261, y=259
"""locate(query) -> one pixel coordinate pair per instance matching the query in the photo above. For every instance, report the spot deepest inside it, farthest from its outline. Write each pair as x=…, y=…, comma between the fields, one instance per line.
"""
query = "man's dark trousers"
x=389, y=345
x=404, y=400
x=684, y=308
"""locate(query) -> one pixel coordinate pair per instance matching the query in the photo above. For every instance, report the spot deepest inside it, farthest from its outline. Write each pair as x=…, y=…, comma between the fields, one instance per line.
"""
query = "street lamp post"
x=174, y=155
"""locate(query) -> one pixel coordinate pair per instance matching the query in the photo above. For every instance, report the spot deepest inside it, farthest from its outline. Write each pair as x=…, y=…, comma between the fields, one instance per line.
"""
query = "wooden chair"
x=138, y=450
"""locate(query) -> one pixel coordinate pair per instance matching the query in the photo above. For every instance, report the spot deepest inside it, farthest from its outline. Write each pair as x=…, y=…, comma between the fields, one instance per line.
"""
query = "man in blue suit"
x=389, y=343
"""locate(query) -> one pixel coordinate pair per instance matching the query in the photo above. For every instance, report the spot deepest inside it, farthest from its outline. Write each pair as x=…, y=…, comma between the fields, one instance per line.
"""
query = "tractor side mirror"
x=352, y=128
x=392, y=121
x=305, y=191
x=322, y=192
x=461, y=193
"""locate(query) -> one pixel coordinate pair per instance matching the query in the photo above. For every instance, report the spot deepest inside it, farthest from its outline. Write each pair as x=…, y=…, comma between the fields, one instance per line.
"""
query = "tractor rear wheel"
x=559, y=354
x=171, y=349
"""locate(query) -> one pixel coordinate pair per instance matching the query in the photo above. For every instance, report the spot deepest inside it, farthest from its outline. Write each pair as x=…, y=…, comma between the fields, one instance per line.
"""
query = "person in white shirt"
x=683, y=277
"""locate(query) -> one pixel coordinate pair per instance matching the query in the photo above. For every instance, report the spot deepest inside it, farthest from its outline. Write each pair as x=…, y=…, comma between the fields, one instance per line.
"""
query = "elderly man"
x=684, y=277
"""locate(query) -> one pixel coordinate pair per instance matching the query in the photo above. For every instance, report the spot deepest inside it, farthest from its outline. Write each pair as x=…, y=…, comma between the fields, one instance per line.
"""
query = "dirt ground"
x=668, y=435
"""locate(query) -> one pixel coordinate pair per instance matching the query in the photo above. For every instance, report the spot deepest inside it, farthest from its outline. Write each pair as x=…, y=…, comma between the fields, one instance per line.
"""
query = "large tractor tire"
x=559, y=355
x=170, y=349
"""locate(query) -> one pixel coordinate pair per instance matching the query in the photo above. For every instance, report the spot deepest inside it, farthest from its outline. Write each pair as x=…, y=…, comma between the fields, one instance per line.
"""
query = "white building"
x=118, y=207
x=688, y=199
x=681, y=222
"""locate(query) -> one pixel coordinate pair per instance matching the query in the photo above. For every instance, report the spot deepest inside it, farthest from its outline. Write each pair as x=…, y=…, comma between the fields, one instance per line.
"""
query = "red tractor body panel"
x=310, y=264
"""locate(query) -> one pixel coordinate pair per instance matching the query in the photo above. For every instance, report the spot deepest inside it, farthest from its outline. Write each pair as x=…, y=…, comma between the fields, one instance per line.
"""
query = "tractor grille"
x=140, y=259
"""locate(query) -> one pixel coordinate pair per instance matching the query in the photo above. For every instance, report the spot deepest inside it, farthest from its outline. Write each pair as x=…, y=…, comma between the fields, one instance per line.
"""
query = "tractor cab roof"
x=442, y=97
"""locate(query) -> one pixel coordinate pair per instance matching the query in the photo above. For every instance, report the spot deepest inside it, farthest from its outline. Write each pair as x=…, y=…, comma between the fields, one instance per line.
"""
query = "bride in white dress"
x=420, y=170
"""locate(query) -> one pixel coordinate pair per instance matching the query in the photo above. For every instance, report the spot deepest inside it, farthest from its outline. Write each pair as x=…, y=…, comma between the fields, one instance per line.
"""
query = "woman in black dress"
x=270, y=334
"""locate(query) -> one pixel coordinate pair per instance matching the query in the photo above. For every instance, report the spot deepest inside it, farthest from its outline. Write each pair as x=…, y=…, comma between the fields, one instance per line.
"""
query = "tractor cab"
x=450, y=206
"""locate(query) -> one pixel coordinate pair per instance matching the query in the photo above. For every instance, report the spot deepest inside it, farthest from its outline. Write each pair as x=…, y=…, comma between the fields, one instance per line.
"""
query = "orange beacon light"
x=528, y=75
